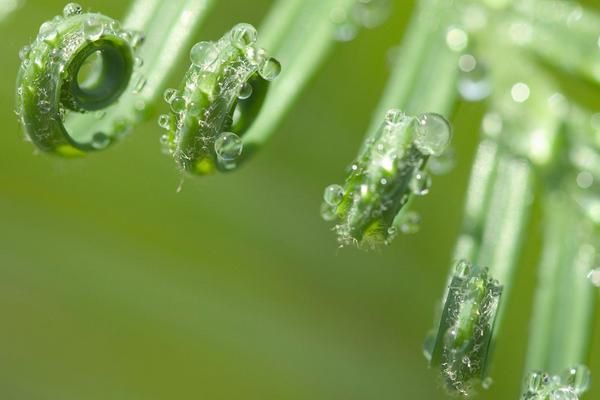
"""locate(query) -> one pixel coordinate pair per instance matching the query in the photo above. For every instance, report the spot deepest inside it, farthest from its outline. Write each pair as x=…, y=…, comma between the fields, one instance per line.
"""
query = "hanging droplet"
x=178, y=105
x=72, y=9
x=170, y=95
x=420, y=183
x=411, y=223
x=228, y=146
x=93, y=29
x=433, y=134
x=473, y=83
x=270, y=69
x=333, y=195
x=394, y=116
x=100, y=141
x=164, y=121
x=243, y=35
x=204, y=54
x=594, y=277
x=245, y=91
x=328, y=212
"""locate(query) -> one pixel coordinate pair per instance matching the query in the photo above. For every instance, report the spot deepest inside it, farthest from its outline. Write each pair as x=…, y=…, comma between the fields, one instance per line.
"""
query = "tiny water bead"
x=270, y=69
x=420, y=183
x=204, y=54
x=433, y=134
x=245, y=91
x=228, y=146
x=170, y=95
x=93, y=29
x=243, y=35
x=410, y=223
x=594, y=277
x=333, y=195
x=100, y=140
x=72, y=9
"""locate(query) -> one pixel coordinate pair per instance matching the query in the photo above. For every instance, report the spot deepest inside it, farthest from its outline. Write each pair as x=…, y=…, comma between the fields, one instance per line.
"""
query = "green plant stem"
x=299, y=33
x=561, y=326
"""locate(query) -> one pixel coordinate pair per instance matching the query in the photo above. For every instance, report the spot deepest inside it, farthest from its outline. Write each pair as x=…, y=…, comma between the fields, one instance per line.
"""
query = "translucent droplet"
x=194, y=108
x=345, y=29
x=100, y=140
x=137, y=39
x=164, y=121
x=394, y=116
x=24, y=52
x=433, y=134
x=577, y=378
x=487, y=383
x=328, y=212
x=411, y=223
x=535, y=382
x=420, y=183
x=138, y=61
x=245, y=91
x=371, y=13
x=170, y=95
x=228, y=146
x=473, y=83
x=457, y=39
x=585, y=179
x=93, y=29
x=270, y=69
x=594, y=277
x=178, y=105
x=204, y=54
x=334, y=194
x=462, y=269
x=139, y=83
x=564, y=394
x=520, y=92
x=100, y=114
x=72, y=9
x=243, y=35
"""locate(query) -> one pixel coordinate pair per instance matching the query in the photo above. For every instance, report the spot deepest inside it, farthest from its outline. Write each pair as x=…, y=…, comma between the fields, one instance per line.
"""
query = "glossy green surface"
x=115, y=286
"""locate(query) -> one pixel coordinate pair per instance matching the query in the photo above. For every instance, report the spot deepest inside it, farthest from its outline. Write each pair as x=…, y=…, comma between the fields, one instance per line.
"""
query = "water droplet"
x=138, y=62
x=137, y=39
x=585, y=179
x=334, y=194
x=462, y=269
x=93, y=29
x=204, y=54
x=345, y=29
x=245, y=91
x=72, y=9
x=139, y=83
x=170, y=95
x=270, y=69
x=535, y=382
x=520, y=92
x=371, y=13
x=100, y=114
x=473, y=82
x=228, y=146
x=178, y=105
x=328, y=212
x=577, y=378
x=594, y=277
x=433, y=134
x=394, y=116
x=100, y=140
x=24, y=52
x=420, y=183
x=410, y=223
x=563, y=394
x=457, y=39
x=487, y=383
x=243, y=35
x=164, y=121
x=194, y=108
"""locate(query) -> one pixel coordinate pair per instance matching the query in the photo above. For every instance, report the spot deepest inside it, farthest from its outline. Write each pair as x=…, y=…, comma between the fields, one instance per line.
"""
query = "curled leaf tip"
x=221, y=94
x=571, y=384
x=370, y=207
x=78, y=66
x=460, y=343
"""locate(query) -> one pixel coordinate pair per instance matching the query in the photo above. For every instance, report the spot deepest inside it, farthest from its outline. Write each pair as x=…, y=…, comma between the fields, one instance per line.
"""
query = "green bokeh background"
x=114, y=286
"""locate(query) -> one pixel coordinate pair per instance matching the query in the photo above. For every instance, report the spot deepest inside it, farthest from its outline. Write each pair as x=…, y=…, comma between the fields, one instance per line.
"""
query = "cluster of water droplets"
x=45, y=70
x=362, y=14
x=199, y=128
x=459, y=343
x=569, y=385
x=389, y=170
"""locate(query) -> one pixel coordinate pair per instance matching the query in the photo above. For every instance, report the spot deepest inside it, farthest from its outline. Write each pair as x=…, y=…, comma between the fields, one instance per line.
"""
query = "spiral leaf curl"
x=221, y=94
x=54, y=98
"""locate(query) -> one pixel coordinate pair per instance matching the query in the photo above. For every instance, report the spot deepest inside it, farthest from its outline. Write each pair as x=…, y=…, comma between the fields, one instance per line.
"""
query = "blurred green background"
x=115, y=286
